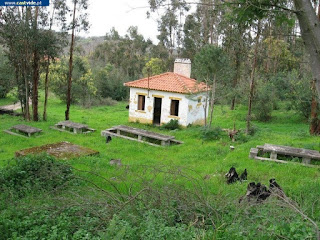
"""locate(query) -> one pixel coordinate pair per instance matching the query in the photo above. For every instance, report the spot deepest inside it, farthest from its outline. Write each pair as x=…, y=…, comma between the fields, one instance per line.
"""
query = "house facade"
x=172, y=95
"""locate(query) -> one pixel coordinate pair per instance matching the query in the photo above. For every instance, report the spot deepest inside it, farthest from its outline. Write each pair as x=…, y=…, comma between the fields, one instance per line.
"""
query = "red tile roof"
x=169, y=82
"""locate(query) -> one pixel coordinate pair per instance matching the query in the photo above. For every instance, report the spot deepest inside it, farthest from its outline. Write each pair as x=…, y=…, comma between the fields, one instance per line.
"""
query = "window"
x=174, y=110
x=141, y=102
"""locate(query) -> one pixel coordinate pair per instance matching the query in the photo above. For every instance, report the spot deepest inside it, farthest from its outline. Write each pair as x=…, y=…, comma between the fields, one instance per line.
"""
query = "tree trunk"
x=26, y=107
x=213, y=95
x=46, y=82
x=206, y=104
x=70, y=62
x=236, y=77
x=254, y=65
x=25, y=70
x=315, y=122
x=36, y=63
x=46, y=90
x=35, y=85
x=310, y=32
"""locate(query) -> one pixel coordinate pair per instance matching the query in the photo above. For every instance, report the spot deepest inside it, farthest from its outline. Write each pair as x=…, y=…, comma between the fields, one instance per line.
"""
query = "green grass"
x=199, y=157
x=214, y=157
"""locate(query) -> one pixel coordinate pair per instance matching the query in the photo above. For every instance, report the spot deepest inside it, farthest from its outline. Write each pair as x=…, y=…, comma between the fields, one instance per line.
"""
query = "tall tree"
x=7, y=74
x=315, y=122
x=77, y=22
x=211, y=65
x=23, y=32
x=236, y=44
x=170, y=23
x=248, y=10
x=252, y=77
x=58, y=12
x=36, y=66
x=128, y=53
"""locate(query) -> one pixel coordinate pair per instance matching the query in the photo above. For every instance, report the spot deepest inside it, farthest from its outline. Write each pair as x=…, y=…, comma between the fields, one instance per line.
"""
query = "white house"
x=172, y=95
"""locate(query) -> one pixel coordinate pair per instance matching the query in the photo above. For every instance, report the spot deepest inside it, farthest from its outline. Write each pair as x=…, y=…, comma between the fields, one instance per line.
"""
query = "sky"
x=121, y=14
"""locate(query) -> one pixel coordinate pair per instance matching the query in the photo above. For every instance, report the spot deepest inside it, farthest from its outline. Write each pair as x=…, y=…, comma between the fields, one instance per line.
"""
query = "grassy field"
x=199, y=157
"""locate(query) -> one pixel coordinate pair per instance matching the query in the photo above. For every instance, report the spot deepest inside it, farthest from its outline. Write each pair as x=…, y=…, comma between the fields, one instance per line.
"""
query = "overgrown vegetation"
x=212, y=133
x=34, y=174
x=136, y=203
x=177, y=192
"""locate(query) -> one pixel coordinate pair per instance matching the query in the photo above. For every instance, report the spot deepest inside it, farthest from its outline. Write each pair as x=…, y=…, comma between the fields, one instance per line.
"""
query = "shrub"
x=300, y=92
x=71, y=223
x=263, y=103
x=211, y=133
x=171, y=125
x=263, y=221
x=253, y=130
x=241, y=137
x=34, y=173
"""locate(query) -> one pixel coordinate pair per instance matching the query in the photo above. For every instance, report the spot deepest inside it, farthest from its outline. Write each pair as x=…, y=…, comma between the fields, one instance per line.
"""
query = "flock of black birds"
x=255, y=191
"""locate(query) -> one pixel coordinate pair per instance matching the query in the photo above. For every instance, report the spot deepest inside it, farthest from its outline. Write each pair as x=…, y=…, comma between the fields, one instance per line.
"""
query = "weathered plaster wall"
x=196, y=109
x=185, y=116
x=145, y=116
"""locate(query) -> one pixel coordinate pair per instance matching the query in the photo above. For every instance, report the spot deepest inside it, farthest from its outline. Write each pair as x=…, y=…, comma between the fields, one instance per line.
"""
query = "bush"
x=241, y=137
x=263, y=221
x=253, y=130
x=182, y=207
x=34, y=173
x=71, y=223
x=263, y=103
x=171, y=125
x=211, y=133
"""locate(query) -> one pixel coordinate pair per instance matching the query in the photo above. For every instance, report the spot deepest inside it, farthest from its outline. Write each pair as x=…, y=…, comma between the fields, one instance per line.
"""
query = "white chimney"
x=182, y=66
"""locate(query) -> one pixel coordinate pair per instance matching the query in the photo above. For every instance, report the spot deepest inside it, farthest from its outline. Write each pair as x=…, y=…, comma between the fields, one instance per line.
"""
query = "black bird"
x=244, y=175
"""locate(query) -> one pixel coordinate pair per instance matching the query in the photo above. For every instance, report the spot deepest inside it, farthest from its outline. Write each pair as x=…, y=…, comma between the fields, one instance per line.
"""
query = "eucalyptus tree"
x=284, y=10
x=170, y=22
x=27, y=42
x=128, y=53
x=236, y=41
x=304, y=10
x=211, y=65
x=15, y=33
x=192, y=40
x=7, y=74
x=56, y=16
x=79, y=22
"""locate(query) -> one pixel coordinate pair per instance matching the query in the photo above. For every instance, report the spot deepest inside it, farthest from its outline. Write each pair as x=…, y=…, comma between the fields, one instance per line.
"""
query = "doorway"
x=157, y=111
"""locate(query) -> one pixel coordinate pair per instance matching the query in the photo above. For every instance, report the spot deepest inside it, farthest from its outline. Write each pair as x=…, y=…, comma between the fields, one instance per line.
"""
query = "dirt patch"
x=61, y=150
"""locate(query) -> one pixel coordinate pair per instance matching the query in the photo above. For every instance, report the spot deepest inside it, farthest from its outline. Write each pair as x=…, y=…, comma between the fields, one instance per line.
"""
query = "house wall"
x=196, y=109
x=146, y=116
